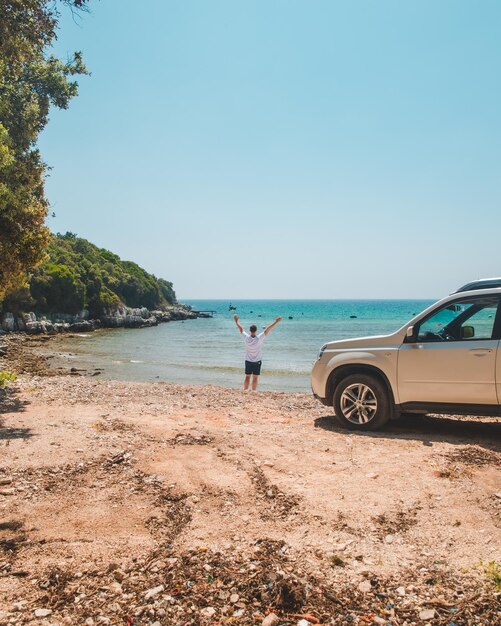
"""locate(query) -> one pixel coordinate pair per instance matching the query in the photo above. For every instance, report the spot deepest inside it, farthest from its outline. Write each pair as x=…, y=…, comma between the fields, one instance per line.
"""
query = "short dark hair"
x=253, y=328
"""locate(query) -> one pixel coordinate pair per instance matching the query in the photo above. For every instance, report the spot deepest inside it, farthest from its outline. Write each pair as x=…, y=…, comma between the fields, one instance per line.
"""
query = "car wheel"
x=361, y=402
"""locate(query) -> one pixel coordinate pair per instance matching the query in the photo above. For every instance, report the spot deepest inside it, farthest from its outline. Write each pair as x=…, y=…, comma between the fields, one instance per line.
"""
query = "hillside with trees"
x=78, y=275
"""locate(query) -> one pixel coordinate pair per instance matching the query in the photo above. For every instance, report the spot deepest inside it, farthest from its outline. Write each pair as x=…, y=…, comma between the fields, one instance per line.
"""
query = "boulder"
x=34, y=328
x=29, y=317
x=81, y=327
x=133, y=321
x=8, y=322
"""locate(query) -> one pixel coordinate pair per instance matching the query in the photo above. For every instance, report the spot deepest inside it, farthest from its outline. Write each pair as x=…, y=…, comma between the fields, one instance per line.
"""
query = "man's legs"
x=247, y=381
x=254, y=381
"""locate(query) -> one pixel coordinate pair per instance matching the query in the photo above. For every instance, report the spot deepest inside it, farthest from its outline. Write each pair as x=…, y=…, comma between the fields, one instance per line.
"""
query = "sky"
x=285, y=148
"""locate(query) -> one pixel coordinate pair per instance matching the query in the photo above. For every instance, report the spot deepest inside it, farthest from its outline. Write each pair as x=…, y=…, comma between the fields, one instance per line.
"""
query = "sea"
x=210, y=350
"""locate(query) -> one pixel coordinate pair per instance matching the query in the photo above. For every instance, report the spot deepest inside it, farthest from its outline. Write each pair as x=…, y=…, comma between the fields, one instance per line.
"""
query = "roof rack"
x=483, y=283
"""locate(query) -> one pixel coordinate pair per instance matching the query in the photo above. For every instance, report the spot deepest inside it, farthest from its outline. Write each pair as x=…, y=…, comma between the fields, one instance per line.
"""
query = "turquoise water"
x=210, y=351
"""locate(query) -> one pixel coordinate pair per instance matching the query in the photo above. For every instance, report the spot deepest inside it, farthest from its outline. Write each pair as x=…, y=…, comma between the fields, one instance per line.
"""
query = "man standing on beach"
x=253, y=345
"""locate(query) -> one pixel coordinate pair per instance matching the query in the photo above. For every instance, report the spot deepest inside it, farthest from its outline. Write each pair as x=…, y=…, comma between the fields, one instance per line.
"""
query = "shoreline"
x=162, y=503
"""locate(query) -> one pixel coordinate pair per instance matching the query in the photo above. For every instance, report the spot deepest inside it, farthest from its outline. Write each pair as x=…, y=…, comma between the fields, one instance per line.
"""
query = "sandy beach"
x=138, y=503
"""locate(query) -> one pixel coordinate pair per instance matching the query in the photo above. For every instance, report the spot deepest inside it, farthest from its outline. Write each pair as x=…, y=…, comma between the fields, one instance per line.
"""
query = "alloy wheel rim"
x=358, y=403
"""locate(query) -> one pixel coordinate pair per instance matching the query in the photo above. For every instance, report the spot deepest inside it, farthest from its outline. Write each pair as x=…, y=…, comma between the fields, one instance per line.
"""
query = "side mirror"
x=467, y=332
x=409, y=333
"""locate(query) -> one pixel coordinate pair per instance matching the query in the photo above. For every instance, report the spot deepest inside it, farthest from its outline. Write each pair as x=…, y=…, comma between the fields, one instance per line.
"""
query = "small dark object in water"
x=259, y=316
x=353, y=317
x=252, y=311
x=290, y=317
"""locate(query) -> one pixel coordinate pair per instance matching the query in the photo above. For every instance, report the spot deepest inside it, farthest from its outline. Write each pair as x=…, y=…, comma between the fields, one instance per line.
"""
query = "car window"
x=466, y=320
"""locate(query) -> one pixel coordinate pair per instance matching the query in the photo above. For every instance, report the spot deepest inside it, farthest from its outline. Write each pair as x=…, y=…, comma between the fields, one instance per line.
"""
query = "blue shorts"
x=252, y=367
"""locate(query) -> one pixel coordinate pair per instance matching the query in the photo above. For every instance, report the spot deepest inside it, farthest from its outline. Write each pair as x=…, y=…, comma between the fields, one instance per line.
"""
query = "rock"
x=42, y=612
x=151, y=593
x=365, y=586
x=7, y=492
x=270, y=620
x=81, y=327
x=401, y=591
x=19, y=606
x=427, y=614
x=133, y=321
x=389, y=539
x=208, y=611
x=118, y=574
x=34, y=328
x=29, y=317
x=8, y=322
x=234, y=598
x=303, y=622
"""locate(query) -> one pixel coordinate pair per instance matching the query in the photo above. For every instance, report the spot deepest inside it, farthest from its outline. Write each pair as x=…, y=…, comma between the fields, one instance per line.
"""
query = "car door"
x=451, y=357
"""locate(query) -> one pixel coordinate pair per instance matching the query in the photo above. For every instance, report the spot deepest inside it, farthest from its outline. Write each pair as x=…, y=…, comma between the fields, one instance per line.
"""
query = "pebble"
x=208, y=611
x=303, y=622
x=427, y=614
x=389, y=539
x=151, y=593
x=372, y=475
x=42, y=612
x=401, y=591
x=234, y=598
x=364, y=586
x=7, y=492
x=270, y=620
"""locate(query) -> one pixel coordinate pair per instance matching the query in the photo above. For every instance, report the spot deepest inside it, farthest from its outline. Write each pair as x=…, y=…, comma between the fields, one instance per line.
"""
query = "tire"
x=362, y=402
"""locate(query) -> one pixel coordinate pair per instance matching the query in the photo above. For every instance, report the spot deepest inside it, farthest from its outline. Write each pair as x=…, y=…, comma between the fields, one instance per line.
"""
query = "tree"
x=31, y=81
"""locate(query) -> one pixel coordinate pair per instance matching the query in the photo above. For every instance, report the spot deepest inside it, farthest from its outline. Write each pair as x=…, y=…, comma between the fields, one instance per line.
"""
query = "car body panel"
x=457, y=371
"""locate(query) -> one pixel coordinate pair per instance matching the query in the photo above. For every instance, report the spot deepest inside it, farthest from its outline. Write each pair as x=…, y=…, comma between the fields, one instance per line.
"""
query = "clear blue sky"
x=284, y=148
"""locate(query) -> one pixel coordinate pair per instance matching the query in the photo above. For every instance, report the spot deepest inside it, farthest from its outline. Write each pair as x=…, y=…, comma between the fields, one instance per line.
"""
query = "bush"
x=6, y=378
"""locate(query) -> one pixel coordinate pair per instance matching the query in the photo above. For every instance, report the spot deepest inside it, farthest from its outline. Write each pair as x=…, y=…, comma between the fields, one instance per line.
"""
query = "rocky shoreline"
x=119, y=317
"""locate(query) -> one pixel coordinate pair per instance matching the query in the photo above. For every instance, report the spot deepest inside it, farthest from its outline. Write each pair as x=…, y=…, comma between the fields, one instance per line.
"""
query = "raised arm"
x=267, y=330
x=239, y=326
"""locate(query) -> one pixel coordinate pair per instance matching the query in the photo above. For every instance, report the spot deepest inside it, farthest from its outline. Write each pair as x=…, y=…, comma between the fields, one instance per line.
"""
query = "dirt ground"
x=159, y=504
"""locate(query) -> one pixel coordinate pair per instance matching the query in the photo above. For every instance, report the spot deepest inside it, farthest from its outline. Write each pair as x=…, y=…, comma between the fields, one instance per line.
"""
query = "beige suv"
x=445, y=360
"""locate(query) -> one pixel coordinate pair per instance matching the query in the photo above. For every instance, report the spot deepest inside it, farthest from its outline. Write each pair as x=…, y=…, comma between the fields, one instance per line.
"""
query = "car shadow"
x=11, y=403
x=429, y=429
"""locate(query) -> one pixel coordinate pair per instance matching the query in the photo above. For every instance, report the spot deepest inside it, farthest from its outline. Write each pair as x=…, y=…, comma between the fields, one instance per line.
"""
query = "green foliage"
x=31, y=81
x=77, y=274
x=6, y=378
x=493, y=571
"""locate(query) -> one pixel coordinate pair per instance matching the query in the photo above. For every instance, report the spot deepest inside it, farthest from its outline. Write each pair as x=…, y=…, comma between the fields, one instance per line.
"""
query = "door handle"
x=480, y=351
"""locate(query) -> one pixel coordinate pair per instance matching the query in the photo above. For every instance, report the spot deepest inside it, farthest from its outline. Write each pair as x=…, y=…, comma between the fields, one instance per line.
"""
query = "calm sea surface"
x=210, y=351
